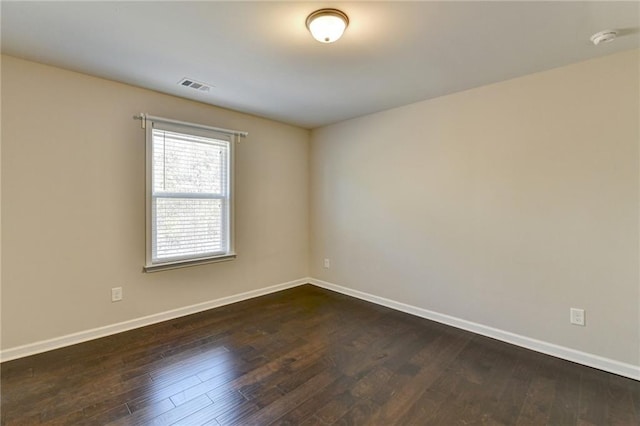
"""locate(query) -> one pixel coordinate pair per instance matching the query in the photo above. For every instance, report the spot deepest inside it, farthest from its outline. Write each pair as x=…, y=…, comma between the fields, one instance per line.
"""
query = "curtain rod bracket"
x=143, y=120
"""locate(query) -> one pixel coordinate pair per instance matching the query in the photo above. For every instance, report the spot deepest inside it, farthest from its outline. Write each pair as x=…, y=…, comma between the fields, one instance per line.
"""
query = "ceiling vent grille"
x=196, y=85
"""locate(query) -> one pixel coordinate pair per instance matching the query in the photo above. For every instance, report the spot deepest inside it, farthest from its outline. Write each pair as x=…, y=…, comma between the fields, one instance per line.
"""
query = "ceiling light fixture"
x=327, y=25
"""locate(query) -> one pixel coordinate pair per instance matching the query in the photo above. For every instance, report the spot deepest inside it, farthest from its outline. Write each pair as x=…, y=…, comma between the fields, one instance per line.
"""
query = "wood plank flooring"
x=308, y=356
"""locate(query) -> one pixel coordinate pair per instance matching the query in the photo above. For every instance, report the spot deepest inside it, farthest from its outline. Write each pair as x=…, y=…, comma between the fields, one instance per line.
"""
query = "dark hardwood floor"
x=307, y=356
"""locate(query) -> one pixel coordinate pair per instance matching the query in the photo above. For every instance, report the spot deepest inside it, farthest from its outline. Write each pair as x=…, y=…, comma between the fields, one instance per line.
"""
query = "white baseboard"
x=595, y=361
x=83, y=336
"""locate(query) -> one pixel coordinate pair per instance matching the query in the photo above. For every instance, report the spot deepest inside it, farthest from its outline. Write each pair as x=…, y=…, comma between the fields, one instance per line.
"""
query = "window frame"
x=192, y=130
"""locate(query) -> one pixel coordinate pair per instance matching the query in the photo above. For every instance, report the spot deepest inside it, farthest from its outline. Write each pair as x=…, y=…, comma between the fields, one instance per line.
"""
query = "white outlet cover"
x=116, y=294
x=576, y=316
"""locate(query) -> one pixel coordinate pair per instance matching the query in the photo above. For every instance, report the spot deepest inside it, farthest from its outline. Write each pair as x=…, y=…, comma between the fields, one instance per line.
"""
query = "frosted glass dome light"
x=327, y=25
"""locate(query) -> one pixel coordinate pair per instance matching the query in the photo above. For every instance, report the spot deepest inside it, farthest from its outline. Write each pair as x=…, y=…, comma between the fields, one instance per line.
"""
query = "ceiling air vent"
x=196, y=85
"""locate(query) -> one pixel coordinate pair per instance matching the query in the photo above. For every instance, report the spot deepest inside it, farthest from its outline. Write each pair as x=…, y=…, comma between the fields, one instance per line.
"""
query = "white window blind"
x=189, y=193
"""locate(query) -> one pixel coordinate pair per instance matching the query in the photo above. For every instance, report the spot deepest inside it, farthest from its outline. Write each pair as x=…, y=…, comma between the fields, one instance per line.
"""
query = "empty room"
x=316, y=213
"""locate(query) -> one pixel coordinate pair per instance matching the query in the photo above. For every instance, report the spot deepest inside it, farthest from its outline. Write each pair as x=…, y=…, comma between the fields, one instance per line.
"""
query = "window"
x=189, y=194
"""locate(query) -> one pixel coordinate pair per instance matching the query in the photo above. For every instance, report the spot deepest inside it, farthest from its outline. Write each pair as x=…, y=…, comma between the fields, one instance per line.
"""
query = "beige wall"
x=504, y=205
x=73, y=204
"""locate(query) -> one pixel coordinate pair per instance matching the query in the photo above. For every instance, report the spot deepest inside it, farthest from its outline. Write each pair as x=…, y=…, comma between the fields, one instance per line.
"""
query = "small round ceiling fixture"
x=605, y=36
x=327, y=25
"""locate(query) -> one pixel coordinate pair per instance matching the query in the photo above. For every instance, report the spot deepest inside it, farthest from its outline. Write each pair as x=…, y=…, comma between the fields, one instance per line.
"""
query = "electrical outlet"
x=116, y=294
x=327, y=263
x=576, y=316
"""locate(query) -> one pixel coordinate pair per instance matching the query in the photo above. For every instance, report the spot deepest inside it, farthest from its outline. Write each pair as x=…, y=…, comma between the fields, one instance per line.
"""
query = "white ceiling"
x=261, y=59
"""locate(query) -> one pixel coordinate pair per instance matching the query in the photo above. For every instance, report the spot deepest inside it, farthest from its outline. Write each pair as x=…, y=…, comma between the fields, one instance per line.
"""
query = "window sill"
x=187, y=263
